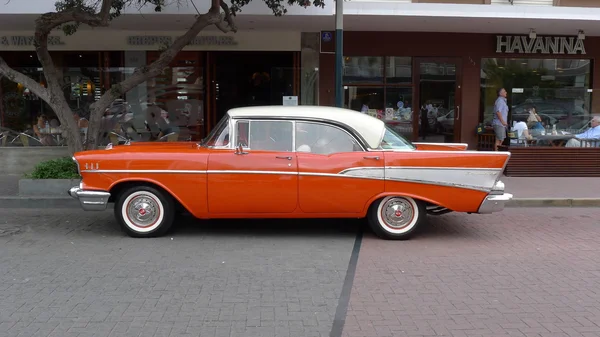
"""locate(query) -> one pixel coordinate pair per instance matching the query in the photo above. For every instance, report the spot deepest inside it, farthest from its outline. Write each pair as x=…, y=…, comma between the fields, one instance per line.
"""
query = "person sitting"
x=42, y=130
x=522, y=132
x=589, y=138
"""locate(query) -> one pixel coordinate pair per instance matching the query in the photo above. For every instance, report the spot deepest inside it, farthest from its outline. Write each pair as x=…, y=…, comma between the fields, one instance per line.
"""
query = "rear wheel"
x=396, y=217
x=144, y=211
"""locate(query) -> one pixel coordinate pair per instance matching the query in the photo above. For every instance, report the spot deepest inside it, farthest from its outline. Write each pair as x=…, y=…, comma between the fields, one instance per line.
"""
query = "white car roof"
x=369, y=128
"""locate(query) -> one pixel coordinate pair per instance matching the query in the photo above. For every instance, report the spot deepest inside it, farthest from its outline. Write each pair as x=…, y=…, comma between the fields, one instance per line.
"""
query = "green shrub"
x=61, y=168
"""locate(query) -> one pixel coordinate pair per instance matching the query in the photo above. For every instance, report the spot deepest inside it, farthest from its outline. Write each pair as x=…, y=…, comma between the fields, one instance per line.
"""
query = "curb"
x=68, y=202
x=554, y=202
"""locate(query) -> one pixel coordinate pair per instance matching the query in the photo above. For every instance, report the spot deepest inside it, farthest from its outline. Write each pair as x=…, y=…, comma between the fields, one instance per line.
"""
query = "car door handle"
x=372, y=157
x=284, y=157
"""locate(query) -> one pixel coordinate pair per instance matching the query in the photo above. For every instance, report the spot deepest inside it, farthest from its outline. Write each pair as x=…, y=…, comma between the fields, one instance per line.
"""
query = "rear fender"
x=457, y=180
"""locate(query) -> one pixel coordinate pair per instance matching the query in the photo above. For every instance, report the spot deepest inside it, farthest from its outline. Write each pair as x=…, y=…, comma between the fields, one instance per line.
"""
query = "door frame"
x=416, y=67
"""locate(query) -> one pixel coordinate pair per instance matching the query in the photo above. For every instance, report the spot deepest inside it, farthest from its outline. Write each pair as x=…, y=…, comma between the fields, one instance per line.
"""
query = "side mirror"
x=240, y=149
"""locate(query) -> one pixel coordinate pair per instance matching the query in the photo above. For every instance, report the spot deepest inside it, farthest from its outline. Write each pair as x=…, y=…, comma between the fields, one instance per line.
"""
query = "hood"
x=142, y=148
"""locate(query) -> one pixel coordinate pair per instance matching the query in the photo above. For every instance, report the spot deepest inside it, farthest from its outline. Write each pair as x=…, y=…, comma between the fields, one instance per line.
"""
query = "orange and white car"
x=291, y=162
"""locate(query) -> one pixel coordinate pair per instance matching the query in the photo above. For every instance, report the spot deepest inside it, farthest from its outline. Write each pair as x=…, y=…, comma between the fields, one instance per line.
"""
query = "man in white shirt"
x=590, y=138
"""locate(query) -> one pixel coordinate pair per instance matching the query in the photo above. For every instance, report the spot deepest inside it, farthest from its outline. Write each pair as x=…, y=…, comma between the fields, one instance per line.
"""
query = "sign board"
x=290, y=100
x=540, y=45
x=25, y=40
x=154, y=40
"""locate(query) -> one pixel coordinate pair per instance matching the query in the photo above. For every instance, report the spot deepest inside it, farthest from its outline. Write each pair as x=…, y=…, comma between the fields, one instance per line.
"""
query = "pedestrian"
x=500, y=120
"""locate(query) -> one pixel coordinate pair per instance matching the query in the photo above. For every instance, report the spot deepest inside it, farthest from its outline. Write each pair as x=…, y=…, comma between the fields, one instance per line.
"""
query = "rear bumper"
x=496, y=200
x=494, y=203
x=90, y=200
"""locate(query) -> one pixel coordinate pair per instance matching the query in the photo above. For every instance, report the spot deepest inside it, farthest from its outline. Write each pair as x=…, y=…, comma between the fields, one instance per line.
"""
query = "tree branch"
x=48, y=21
x=227, y=23
x=27, y=81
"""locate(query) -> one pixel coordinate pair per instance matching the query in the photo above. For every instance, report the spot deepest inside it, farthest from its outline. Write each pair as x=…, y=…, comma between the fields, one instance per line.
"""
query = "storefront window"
x=168, y=107
x=363, y=69
x=398, y=70
x=388, y=98
x=548, y=98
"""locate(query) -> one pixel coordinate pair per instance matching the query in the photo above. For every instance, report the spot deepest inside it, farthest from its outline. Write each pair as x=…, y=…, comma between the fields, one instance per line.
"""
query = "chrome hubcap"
x=143, y=211
x=397, y=213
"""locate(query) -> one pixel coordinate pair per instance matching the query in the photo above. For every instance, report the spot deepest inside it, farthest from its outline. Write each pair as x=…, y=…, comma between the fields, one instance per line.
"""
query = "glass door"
x=438, y=95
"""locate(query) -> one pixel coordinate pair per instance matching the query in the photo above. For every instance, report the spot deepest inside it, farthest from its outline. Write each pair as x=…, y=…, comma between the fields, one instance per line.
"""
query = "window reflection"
x=363, y=69
x=398, y=70
x=548, y=98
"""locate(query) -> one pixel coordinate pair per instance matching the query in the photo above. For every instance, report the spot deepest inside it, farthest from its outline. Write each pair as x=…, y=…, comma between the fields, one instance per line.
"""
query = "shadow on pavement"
x=188, y=225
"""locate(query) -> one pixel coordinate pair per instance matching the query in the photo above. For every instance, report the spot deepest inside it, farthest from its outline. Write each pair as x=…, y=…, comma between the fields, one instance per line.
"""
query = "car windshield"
x=393, y=141
x=219, y=136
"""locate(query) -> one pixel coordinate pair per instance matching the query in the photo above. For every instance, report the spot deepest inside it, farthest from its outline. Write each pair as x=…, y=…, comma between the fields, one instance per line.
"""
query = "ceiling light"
x=532, y=33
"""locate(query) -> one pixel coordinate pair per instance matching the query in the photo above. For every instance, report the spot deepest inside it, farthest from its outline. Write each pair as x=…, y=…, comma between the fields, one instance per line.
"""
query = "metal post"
x=339, y=52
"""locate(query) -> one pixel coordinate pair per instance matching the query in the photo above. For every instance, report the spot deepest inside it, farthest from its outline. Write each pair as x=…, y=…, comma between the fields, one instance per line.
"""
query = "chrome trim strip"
x=76, y=162
x=341, y=172
x=443, y=144
x=481, y=179
x=251, y=172
x=437, y=183
x=146, y=171
x=442, y=168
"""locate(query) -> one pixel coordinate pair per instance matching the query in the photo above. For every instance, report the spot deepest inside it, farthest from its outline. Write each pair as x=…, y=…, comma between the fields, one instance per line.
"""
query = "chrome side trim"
x=480, y=178
x=494, y=203
x=76, y=162
x=443, y=144
x=341, y=172
x=477, y=178
x=90, y=200
x=365, y=172
x=146, y=171
x=294, y=173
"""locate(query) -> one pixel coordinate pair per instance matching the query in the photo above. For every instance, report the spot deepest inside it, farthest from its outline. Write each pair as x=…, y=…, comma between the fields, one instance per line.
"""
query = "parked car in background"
x=291, y=162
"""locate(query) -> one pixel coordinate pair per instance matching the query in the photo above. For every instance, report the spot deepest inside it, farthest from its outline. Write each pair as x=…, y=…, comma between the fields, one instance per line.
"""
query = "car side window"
x=323, y=139
x=266, y=135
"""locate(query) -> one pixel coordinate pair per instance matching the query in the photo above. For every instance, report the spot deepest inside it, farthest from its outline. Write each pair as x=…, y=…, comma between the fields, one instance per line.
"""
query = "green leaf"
x=61, y=168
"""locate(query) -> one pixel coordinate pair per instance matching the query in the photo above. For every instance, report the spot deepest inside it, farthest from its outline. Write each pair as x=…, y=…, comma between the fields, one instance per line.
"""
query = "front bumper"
x=90, y=200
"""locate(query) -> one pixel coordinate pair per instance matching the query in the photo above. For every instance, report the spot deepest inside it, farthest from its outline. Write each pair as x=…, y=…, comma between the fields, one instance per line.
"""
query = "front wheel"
x=396, y=217
x=144, y=211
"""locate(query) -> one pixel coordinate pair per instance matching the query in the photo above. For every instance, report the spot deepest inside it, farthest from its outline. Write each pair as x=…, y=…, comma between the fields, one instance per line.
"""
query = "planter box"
x=46, y=187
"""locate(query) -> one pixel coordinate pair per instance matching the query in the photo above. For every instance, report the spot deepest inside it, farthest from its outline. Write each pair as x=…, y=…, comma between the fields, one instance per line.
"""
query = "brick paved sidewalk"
x=524, y=272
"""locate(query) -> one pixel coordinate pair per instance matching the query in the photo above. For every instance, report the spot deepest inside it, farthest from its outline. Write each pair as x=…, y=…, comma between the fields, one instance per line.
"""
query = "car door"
x=259, y=177
x=336, y=175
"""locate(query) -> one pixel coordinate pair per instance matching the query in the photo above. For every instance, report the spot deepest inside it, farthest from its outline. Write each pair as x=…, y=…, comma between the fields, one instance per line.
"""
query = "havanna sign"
x=540, y=45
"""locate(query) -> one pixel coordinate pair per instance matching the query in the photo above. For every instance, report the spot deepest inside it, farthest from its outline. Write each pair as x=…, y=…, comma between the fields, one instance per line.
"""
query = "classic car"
x=291, y=162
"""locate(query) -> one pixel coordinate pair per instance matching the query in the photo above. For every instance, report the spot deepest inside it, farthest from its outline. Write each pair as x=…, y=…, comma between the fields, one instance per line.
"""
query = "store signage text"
x=149, y=40
x=18, y=40
x=542, y=45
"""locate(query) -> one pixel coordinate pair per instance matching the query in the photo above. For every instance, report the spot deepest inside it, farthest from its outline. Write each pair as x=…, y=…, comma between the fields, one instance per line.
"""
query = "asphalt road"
x=519, y=273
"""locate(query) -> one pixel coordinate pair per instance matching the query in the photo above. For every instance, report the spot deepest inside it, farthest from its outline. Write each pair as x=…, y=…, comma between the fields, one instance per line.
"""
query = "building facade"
x=429, y=68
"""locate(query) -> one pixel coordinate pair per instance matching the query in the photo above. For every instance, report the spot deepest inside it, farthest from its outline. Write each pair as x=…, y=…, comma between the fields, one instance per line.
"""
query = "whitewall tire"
x=144, y=211
x=396, y=217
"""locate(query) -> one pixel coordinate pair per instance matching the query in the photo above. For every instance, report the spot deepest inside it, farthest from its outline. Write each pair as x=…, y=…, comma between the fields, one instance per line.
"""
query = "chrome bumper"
x=496, y=200
x=494, y=203
x=90, y=200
